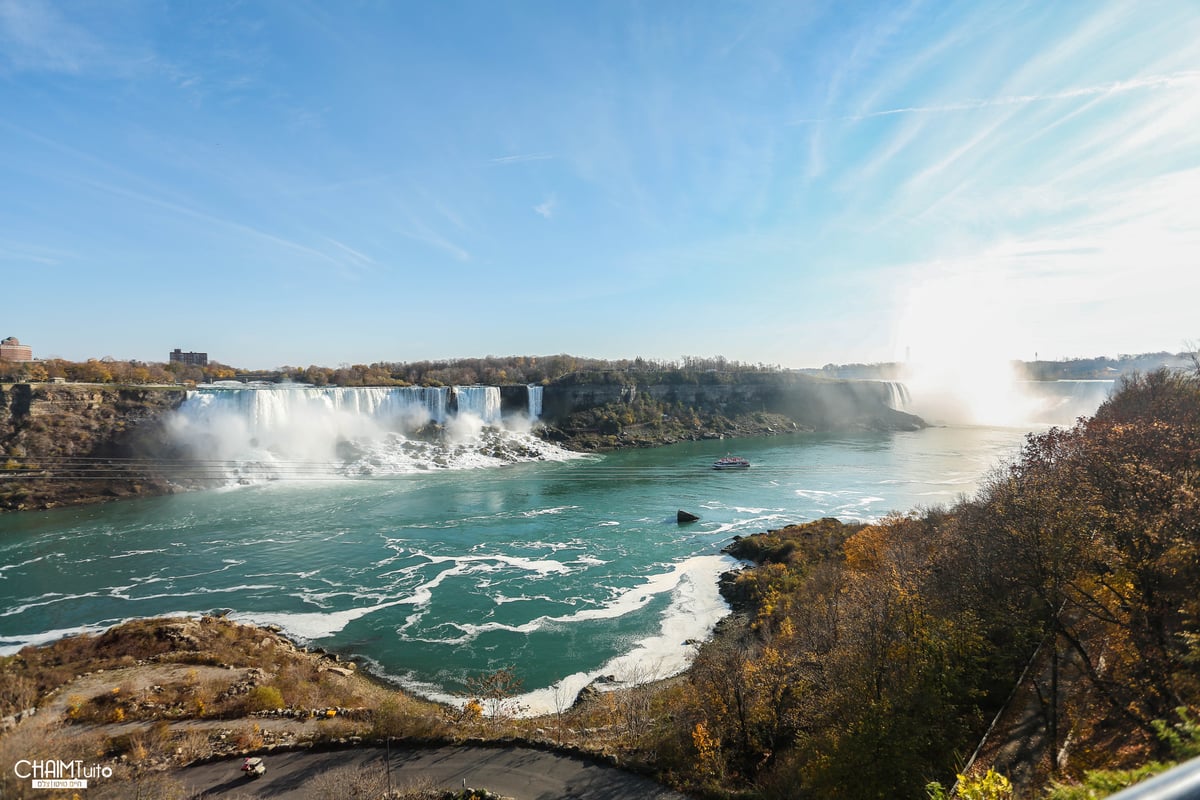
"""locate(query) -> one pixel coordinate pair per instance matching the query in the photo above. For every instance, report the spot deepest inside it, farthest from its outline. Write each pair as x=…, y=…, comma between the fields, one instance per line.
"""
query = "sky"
x=791, y=183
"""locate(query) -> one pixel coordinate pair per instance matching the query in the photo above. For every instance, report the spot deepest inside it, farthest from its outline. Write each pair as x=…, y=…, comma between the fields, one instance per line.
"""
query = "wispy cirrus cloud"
x=420, y=232
x=25, y=253
x=1174, y=80
x=522, y=158
x=37, y=37
x=355, y=255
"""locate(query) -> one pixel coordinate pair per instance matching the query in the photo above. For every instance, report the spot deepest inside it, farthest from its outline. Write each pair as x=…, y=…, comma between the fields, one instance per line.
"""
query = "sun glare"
x=955, y=338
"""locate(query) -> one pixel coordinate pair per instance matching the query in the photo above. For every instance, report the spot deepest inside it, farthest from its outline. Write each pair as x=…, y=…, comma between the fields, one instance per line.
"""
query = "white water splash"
x=240, y=434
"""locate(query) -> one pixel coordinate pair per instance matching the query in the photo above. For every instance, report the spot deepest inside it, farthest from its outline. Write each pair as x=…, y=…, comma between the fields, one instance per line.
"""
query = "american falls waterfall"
x=238, y=433
x=482, y=402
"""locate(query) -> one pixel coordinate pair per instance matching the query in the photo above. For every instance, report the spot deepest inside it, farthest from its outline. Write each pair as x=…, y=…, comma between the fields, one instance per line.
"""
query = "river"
x=565, y=569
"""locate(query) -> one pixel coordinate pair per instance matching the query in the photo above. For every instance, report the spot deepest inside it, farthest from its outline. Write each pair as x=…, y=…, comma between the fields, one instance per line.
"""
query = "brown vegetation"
x=873, y=658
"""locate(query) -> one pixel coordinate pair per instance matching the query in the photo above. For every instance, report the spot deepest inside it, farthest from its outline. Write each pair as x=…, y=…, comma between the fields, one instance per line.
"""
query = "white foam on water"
x=48, y=599
x=131, y=553
x=624, y=602
x=13, y=644
x=696, y=606
x=25, y=563
x=119, y=591
x=537, y=512
x=540, y=566
x=501, y=599
x=307, y=626
x=310, y=625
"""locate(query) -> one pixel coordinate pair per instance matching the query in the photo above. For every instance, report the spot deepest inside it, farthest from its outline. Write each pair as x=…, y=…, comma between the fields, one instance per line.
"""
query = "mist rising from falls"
x=997, y=398
x=293, y=432
x=955, y=337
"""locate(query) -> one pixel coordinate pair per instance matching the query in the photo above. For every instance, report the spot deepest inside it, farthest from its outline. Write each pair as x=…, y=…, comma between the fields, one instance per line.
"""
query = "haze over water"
x=565, y=569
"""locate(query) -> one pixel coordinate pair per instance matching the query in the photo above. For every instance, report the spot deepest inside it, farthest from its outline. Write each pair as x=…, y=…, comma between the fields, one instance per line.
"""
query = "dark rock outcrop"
x=612, y=410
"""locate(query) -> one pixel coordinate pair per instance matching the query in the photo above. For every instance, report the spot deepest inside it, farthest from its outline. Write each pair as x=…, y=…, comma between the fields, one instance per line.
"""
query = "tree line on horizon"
x=489, y=370
x=510, y=370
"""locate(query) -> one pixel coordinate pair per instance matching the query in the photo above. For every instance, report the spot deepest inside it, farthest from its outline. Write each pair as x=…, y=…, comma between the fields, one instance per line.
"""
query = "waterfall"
x=898, y=397
x=479, y=401
x=266, y=409
x=1061, y=402
x=535, y=401
x=248, y=433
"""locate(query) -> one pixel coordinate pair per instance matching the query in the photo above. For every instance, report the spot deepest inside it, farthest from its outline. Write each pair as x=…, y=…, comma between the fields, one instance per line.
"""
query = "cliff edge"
x=68, y=444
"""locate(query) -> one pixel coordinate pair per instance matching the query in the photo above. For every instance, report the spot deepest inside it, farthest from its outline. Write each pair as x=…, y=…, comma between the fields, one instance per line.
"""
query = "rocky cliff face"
x=79, y=443
x=622, y=411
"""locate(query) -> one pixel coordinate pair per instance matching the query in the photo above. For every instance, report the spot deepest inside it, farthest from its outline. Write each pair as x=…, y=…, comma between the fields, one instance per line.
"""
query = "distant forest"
x=508, y=370
x=489, y=370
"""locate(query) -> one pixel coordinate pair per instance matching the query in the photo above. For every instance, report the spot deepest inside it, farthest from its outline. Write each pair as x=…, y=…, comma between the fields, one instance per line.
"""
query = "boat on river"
x=731, y=462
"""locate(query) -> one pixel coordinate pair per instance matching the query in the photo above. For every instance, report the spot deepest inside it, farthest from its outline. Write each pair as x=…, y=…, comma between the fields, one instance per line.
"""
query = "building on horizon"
x=195, y=359
x=12, y=350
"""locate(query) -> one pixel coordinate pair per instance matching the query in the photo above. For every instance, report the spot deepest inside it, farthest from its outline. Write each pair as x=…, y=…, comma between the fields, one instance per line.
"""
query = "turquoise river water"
x=565, y=569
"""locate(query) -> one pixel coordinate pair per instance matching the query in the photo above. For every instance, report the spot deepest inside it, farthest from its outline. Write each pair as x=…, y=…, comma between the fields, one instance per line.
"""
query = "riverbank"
x=149, y=697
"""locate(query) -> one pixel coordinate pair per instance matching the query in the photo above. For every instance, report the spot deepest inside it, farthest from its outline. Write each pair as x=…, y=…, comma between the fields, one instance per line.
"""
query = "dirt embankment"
x=151, y=696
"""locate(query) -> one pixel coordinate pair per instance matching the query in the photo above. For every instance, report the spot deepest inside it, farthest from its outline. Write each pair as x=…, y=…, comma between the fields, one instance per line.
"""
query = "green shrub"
x=264, y=698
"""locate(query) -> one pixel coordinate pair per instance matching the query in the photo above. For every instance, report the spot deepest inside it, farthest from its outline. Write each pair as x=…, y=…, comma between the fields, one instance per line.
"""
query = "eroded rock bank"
x=68, y=444
x=606, y=411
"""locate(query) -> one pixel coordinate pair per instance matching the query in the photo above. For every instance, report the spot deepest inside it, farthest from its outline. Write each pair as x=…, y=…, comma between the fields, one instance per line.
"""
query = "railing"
x=1181, y=782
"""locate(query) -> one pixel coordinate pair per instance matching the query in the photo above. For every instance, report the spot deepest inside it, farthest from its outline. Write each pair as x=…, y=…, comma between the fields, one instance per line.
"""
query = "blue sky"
x=791, y=183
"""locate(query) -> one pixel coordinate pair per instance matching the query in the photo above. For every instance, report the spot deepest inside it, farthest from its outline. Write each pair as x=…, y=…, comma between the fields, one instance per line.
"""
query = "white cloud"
x=547, y=207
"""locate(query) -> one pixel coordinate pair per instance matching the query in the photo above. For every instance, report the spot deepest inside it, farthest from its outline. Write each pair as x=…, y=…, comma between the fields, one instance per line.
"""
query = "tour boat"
x=731, y=462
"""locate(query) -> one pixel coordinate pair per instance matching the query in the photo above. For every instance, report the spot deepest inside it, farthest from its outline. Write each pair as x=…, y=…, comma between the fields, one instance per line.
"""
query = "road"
x=518, y=772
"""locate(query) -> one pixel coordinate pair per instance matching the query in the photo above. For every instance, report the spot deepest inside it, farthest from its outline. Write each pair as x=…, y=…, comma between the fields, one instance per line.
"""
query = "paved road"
x=518, y=772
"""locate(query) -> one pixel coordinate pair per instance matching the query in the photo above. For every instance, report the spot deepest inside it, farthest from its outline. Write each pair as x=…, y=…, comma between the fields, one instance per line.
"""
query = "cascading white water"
x=479, y=401
x=245, y=434
x=898, y=397
x=534, y=402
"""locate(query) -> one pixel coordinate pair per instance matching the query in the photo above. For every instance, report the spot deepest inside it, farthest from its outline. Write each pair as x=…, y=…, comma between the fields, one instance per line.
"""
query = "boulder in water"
x=685, y=516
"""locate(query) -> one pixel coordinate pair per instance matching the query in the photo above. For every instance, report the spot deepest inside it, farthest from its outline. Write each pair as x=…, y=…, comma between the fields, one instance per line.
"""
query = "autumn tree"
x=496, y=692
